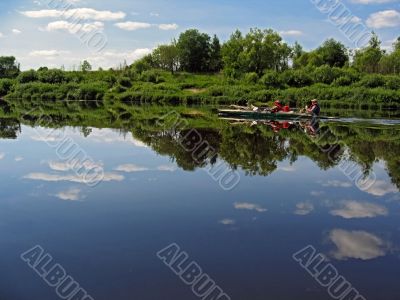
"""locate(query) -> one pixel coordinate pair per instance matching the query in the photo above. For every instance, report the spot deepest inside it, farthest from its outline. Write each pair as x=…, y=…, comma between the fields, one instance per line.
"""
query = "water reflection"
x=357, y=245
x=292, y=194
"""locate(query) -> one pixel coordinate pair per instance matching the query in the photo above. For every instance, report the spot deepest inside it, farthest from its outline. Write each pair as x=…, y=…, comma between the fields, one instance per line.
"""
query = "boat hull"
x=254, y=115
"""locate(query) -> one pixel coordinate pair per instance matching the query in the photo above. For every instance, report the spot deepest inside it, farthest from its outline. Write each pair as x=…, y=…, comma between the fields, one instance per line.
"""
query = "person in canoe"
x=314, y=109
x=278, y=107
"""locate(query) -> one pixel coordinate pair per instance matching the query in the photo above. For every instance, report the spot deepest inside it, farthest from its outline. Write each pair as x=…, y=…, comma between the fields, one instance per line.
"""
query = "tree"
x=232, y=52
x=9, y=68
x=215, y=55
x=194, y=51
x=166, y=57
x=258, y=51
x=333, y=53
x=86, y=66
x=390, y=63
x=368, y=58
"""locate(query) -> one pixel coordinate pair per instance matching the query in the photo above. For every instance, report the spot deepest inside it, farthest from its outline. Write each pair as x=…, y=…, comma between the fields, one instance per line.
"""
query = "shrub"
x=92, y=91
x=392, y=82
x=5, y=86
x=251, y=78
x=296, y=78
x=326, y=74
x=342, y=81
x=27, y=76
x=271, y=79
x=152, y=76
x=51, y=76
x=125, y=82
x=372, y=81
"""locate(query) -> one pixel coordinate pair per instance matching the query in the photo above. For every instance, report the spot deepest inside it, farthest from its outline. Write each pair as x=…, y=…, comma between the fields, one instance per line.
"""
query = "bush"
x=326, y=74
x=125, y=82
x=251, y=78
x=92, y=91
x=27, y=76
x=152, y=76
x=272, y=79
x=372, y=81
x=296, y=78
x=5, y=86
x=342, y=81
x=392, y=82
x=52, y=76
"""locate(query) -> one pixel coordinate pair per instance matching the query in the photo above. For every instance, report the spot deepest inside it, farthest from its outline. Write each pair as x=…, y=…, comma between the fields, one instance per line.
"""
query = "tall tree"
x=333, y=53
x=368, y=58
x=166, y=57
x=9, y=68
x=194, y=51
x=215, y=55
x=86, y=66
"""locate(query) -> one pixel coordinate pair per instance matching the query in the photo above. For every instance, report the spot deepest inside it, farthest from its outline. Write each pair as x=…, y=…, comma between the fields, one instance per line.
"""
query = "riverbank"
x=336, y=89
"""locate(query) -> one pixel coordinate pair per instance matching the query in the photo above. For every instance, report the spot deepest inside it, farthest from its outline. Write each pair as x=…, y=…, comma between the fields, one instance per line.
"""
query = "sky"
x=57, y=33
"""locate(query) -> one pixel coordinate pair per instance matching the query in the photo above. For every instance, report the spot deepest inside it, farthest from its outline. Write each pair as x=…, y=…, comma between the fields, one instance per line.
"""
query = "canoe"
x=257, y=115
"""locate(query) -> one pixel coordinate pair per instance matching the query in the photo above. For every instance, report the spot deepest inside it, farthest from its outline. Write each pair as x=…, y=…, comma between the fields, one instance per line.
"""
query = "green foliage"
x=368, y=58
x=372, y=81
x=6, y=86
x=326, y=74
x=296, y=78
x=194, y=51
x=393, y=82
x=272, y=79
x=27, y=76
x=333, y=53
x=9, y=68
x=251, y=78
x=86, y=66
x=152, y=76
x=166, y=57
x=51, y=76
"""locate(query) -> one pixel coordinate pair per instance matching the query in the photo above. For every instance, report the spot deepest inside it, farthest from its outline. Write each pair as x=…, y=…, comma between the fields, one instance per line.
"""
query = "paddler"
x=314, y=109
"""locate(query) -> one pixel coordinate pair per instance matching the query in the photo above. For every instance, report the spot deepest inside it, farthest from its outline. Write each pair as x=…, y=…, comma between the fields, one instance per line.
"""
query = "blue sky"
x=40, y=33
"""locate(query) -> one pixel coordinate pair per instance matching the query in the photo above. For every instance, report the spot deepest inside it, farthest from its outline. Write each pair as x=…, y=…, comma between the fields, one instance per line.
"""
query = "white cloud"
x=74, y=164
x=304, y=208
x=381, y=188
x=249, y=206
x=16, y=31
x=131, y=26
x=154, y=14
x=384, y=19
x=287, y=169
x=168, y=26
x=74, y=28
x=18, y=158
x=2, y=155
x=130, y=168
x=72, y=178
x=346, y=20
x=72, y=194
x=227, y=222
x=1, y=35
x=291, y=33
x=337, y=183
x=48, y=54
x=355, y=210
x=76, y=14
x=166, y=168
x=112, y=58
x=357, y=244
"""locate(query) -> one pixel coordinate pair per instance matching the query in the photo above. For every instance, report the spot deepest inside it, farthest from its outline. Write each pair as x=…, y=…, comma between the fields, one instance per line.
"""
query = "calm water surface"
x=291, y=194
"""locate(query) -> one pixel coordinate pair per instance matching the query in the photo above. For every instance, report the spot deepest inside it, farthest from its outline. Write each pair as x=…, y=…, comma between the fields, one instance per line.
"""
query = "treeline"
x=260, y=51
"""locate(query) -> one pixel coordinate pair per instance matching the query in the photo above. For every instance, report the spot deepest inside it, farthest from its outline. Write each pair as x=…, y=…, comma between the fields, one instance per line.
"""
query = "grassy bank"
x=333, y=86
